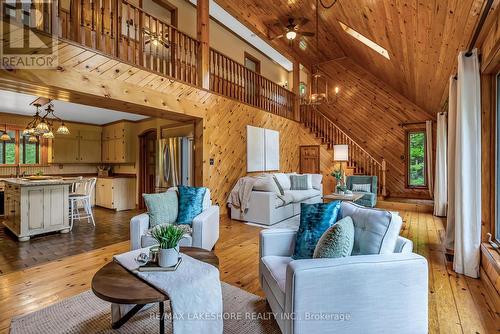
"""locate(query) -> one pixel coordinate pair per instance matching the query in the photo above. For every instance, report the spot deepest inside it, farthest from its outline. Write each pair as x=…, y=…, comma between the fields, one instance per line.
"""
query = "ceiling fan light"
x=63, y=129
x=5, y=137
x=48, y=135
x=290, y=35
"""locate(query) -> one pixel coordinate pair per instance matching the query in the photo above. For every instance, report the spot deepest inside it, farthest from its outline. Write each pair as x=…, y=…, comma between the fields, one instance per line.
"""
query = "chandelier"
x=44, y=126
x=319, y=90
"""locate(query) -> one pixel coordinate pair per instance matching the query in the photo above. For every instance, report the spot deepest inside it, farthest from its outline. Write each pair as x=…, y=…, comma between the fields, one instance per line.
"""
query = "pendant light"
x=62, y=129
x=5, y=136
x=48, y=135
x=33, y=139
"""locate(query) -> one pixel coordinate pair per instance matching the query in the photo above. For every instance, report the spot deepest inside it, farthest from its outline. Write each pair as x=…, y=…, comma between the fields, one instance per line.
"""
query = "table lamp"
x=341, y=154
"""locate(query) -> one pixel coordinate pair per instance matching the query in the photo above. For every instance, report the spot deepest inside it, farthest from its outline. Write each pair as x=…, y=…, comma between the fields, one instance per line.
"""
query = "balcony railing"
x=125, y=31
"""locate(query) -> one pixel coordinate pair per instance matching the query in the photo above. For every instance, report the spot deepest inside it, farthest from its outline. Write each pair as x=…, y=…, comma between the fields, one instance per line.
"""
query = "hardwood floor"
x=457, y=304
x=111, y=227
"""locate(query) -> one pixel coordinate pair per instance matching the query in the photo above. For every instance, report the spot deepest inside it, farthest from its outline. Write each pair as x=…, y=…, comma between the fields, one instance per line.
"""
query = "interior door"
x=310, y=159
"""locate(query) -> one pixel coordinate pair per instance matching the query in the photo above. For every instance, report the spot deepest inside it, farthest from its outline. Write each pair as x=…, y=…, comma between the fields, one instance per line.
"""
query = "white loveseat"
x=268, y=207
x=205, y=228
x=379, y=293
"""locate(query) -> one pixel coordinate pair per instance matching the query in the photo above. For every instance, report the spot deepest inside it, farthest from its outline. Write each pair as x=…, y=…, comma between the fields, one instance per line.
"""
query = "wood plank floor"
x=456, y=304
x=112, y=227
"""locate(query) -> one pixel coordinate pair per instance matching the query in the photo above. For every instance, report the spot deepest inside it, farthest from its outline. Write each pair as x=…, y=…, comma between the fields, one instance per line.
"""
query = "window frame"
x=408, y=132
x=42, y=152
x=252, y=59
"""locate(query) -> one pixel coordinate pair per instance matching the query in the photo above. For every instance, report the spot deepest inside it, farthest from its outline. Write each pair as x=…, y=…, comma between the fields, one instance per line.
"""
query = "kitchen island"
x=35, y=207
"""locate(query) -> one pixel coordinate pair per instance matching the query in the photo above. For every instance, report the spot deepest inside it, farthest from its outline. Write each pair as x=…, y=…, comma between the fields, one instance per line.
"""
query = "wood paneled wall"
x=371, y=112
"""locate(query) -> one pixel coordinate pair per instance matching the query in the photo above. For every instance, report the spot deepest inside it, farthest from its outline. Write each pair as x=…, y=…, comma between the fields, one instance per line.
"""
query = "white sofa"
x=266, y=207
x=381, y=293
x=205, y=228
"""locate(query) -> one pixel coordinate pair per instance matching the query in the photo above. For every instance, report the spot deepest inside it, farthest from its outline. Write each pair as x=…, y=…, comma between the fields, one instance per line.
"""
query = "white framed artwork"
x=263, y=149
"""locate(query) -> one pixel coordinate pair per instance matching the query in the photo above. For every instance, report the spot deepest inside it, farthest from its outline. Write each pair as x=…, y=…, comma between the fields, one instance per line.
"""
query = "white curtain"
x=468, y=167
x=441, y=181
x=452, y=124
x=428, y=162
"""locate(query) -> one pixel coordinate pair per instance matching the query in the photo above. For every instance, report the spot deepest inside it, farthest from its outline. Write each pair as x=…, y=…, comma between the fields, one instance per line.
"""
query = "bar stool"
x=82, y=190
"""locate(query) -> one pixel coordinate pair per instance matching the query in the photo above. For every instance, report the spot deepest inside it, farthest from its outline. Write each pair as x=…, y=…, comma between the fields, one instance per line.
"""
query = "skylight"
x=221, y=15
x=374, y=46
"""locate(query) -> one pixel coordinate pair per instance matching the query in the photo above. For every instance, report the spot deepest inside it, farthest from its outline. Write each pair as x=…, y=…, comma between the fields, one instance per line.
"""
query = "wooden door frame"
x=142, y=164
x=319, y=157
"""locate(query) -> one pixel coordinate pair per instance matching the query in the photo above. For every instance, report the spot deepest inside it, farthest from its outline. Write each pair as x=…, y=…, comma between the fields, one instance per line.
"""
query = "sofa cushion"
x=190, y=203
x=299, y=182
x=162, y=207
x=337, y=241
x=266, y=183
x=278, y=185
x=316, y=180
x=315, y=219
x=375, y=231
x=284, y=180
x=274, y=270
x=302, y=195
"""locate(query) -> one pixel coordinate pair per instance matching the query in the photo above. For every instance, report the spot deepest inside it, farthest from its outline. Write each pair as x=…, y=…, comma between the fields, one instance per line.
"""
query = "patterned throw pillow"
x=315, y=219
x=280, y=188
x=362, y=187
x=298, y=182
x=190, y=203
x=162, y=208
x=337, y=241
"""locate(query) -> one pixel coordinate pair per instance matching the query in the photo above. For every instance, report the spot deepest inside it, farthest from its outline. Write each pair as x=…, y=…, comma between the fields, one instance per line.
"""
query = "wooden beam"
x=295, y=90
x=202, y=23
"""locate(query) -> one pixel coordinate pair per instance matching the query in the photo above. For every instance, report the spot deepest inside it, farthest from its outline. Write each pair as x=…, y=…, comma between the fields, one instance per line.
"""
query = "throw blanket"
x=240, y=195
x=194, y=291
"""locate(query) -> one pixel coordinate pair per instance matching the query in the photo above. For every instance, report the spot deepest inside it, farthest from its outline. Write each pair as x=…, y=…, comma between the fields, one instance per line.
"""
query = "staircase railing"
x=330, y=134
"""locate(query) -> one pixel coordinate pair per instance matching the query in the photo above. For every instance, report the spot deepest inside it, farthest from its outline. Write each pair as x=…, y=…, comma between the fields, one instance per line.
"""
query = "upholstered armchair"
x=370, y=198
x=374, y=293
x=204, y=228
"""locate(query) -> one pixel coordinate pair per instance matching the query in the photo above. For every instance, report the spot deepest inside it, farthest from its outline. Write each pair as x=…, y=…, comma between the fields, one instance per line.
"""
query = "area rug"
x=244, y=313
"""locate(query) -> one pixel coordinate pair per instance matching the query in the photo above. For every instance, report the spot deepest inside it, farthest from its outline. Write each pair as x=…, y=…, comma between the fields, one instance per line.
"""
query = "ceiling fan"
x=293, y=28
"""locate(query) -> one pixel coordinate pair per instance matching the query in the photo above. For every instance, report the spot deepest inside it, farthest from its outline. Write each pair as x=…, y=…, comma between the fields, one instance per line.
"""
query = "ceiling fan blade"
x=301, y=21
x=305, y=33
x=277, y=37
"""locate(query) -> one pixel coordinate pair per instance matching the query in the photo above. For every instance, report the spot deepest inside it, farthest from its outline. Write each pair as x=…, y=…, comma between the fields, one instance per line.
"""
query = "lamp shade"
x=340, y=152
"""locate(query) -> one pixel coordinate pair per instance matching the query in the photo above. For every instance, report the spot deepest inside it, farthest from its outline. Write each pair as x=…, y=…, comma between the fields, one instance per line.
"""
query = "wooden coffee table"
x=338, y=197
x=115, y=284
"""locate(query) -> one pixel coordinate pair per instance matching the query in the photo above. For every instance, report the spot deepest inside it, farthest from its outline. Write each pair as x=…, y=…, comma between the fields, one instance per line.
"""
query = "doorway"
x=310, y=159
x=147, y=164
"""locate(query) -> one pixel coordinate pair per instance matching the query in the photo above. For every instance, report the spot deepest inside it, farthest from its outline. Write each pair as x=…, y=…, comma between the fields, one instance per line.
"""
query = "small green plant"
x=39, y=173
x=168, y=236
x=337, y=174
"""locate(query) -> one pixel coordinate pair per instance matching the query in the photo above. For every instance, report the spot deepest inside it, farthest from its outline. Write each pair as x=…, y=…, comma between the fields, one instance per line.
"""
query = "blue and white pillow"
x=190, y=203
x=366, y=188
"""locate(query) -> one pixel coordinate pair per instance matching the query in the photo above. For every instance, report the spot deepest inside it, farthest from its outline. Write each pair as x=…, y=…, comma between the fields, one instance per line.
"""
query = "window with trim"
x=416, y=159
x=18, y=150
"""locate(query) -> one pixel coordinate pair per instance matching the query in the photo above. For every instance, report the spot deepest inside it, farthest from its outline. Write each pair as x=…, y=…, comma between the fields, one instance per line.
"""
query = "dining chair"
x=81, y=192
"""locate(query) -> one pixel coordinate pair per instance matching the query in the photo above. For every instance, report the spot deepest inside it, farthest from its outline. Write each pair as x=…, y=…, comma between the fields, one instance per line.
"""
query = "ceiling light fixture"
x=5, y=136
x=43, y=126
x=290, y=35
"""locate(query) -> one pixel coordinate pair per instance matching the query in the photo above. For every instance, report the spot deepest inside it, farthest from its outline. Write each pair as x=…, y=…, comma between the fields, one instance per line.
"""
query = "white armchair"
x=358, y=294
x=205, y=229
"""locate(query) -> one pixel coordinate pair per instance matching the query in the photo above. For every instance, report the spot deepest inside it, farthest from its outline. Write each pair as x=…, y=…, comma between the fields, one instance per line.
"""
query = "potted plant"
x=339, y=178
x=168, y=237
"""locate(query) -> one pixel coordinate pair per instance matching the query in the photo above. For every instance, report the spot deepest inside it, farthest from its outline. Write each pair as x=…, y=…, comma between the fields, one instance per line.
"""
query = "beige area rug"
x=244, y=313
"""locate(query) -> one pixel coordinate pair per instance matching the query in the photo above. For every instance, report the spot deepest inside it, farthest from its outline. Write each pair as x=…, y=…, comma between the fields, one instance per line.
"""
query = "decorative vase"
x=168, y=257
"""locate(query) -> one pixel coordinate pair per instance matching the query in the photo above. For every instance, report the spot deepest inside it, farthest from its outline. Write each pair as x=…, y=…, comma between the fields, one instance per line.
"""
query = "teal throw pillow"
x=337, y=241
x=315, y=219
x=162, y=207
x=190, y=203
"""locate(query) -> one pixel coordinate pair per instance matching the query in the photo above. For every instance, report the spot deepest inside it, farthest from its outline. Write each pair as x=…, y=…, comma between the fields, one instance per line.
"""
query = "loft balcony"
x=122, y=30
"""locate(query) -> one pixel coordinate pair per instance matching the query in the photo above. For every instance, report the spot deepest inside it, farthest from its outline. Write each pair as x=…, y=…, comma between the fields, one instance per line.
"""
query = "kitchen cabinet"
x=118, y=141
x=116, y=193
x=81, y=146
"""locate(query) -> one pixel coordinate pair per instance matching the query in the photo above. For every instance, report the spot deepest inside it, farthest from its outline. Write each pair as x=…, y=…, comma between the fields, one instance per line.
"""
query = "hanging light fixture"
x=5, y=136
x=62, y=129
x=48, y=135
x=43, y=126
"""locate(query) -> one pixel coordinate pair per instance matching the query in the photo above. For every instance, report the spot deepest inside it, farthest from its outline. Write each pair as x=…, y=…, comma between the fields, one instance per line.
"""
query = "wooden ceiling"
x=423, y=37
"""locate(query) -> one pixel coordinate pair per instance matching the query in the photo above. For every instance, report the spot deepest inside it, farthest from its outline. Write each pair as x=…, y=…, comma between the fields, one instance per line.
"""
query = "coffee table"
x=115, y=284
x=338, y=197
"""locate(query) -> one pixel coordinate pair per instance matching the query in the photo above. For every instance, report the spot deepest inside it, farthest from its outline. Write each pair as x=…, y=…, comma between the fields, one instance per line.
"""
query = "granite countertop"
x=27, y=183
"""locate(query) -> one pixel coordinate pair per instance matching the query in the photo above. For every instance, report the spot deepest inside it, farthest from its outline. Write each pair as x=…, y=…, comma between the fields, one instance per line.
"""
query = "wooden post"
x=296, y=91
x=384, y=170
x=202, y=23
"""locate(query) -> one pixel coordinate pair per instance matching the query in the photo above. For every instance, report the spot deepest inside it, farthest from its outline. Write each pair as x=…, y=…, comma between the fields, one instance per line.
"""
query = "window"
x=19, y=150
x=366, y=41
x=416, y=157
